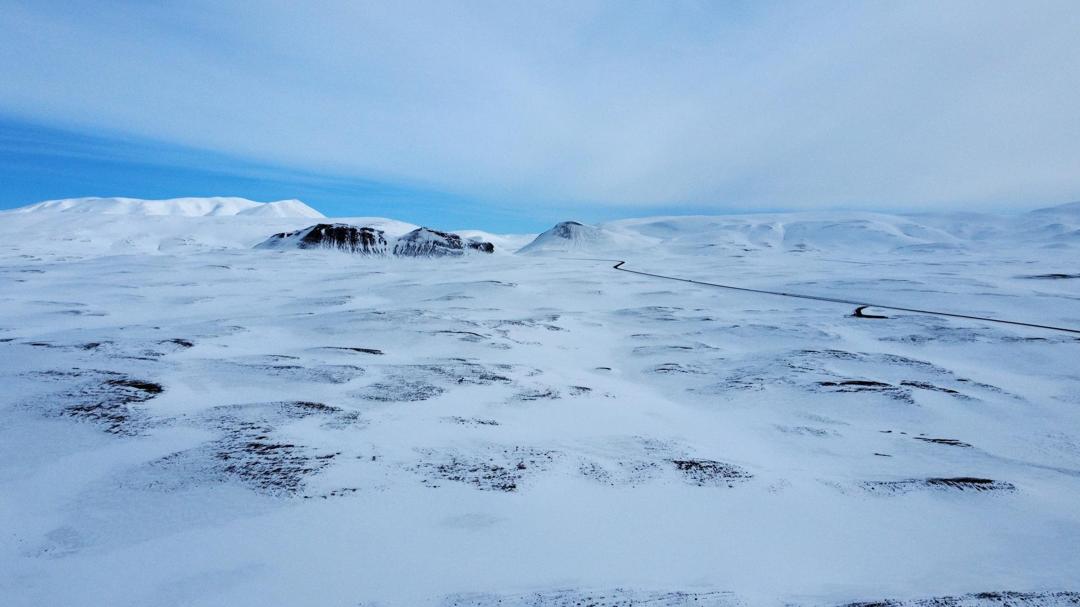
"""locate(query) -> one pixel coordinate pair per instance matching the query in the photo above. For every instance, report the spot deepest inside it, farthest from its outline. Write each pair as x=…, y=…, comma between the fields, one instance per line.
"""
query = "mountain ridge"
x=212, y=206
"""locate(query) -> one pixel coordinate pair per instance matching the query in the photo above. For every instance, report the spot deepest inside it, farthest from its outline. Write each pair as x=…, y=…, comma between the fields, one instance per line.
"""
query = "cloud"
x=898, y=105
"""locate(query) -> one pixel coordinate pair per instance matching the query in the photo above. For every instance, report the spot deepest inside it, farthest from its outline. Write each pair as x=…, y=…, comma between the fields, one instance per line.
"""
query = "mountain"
x=569, y=237
x=367, y=240
x=425, y=242
x=848, y=231
x=282, y=208
x=339, y=236
x=1069, y=208
x=153, y=226
x=178, y=207
x=790, y=231
x=504, y=243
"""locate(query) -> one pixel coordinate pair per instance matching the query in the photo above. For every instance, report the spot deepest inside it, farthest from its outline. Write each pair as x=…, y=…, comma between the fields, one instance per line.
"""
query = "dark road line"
x=619, y=266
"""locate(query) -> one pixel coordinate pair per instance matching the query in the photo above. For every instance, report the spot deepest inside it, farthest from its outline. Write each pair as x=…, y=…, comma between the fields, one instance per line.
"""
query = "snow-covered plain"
x=187, y=420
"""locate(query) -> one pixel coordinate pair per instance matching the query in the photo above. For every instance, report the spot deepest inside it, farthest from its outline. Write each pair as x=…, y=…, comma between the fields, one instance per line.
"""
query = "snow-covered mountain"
x=362, y=240
x=367, y=240
x=1057, y=227
x=92, y=226
x=504, y=243
x=237, y=222
x=425, y=242
x=179, y=207
x=282, y=208
x=573, y=236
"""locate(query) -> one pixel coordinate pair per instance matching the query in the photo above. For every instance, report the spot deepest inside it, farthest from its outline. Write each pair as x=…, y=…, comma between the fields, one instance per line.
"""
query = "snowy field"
x=188, y=420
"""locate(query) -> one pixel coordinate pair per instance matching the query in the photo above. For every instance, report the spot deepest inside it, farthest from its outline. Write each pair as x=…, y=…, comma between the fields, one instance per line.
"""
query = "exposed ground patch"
x=618, y=597
x=489, y=469
x=109, y=399
x=956, y=483
x=250, y=449
x=983, y=599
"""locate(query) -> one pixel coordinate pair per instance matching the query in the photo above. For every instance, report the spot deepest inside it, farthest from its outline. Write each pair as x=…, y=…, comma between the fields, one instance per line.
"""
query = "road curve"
x=620, y=262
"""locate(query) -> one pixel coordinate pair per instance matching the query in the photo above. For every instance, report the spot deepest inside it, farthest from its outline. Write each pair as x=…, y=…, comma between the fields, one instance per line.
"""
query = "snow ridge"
x=216, y=206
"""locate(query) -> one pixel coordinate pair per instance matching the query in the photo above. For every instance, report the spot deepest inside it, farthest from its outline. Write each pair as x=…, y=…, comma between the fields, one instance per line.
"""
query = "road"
x=619, y=263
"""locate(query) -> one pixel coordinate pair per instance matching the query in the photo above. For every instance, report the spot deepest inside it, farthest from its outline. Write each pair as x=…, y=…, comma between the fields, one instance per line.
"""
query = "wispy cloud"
x=899, y=105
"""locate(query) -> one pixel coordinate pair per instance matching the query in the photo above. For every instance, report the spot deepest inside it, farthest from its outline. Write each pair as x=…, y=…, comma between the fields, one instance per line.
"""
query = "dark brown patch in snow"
x=983, y=599
x=499, y=470
x=702, y=472
x=617, y=597
x=249, y=449
x=952, y=442
x=106, y=398
x=958, y=483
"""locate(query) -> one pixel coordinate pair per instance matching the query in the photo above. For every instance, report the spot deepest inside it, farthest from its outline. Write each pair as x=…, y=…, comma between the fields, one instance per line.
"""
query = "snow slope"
x=569, y=237
x=282, y=208
x=182, y=207
x=187, y=420
x=91, y=226
x=1054, y=227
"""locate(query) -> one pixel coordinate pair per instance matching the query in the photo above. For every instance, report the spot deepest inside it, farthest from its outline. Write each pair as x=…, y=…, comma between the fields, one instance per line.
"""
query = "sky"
x=513, y=115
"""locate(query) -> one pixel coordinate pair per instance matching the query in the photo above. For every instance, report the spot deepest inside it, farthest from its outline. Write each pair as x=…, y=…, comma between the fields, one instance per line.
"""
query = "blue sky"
x=512, y=115
x=42, y=163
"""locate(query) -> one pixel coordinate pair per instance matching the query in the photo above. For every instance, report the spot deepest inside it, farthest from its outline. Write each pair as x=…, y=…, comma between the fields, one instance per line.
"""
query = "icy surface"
x=187, y=420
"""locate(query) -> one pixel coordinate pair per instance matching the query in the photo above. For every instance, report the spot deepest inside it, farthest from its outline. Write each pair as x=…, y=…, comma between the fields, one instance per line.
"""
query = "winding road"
x=860, y=304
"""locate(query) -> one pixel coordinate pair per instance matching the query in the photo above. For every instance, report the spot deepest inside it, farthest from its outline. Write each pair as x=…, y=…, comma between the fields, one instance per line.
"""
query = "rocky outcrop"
x=425, y=242
x=480, y=246
x=567, y=229
x=421, y=242
x=344, y=237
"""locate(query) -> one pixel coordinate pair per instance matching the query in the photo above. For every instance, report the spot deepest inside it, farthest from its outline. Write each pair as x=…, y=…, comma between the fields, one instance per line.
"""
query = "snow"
x=182, y=207
x=1054, y=227
x=504, y=243
x=189, y=420
x=282, y=208
x=573, y=236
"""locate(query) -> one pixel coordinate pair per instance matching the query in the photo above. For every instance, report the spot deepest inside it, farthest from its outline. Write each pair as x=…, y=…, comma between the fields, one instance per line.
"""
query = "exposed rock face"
x=421, y=242
x=566, y=229
x=481, y=246
x=363, y=240
x=425, y=242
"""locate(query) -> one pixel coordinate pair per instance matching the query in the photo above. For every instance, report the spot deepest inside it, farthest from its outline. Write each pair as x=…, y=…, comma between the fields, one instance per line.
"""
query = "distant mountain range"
x=367, y=240
x=178, y=207
x=238, y=222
